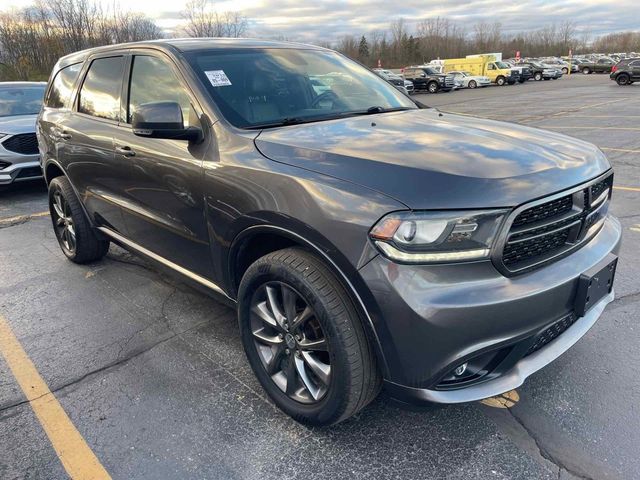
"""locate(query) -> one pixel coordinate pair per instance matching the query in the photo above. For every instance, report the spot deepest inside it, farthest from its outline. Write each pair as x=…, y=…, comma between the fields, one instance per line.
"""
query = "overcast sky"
x=330, y=19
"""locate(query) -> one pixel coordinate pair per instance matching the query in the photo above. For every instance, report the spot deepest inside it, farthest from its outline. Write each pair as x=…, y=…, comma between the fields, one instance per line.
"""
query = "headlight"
x=435, y=237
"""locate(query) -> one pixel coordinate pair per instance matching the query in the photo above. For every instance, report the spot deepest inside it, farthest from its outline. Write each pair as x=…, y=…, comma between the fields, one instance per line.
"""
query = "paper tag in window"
x=217, y=78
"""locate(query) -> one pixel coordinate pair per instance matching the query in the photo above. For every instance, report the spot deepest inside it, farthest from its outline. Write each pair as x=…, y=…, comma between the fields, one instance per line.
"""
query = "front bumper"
x=433, y=318
x=18, y=172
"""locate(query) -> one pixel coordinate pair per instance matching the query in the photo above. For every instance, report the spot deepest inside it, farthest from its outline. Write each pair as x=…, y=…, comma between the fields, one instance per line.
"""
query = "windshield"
x=256, y=88
x=502, y=65
x=16, y=100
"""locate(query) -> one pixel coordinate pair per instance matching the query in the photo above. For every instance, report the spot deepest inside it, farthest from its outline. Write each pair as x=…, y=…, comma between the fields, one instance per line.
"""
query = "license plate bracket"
x=595, y=284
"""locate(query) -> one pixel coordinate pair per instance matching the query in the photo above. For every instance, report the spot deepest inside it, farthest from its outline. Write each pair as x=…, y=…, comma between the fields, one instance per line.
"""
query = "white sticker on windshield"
x=217, y=78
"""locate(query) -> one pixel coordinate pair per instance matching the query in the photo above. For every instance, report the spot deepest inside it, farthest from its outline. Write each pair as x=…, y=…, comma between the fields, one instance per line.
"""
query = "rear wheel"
x=623, y=79
x=565, y=70
x=586, y=71
x=433, y=87
x=472, y=84
x=304, y=339
x=77, y=238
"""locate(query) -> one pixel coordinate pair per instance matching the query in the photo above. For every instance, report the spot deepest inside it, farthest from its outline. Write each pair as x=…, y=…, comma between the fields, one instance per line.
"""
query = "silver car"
x=20, y=103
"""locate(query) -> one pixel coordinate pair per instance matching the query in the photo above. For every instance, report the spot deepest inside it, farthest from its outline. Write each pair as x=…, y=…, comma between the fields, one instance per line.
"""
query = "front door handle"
x=61, y=134
x=126, y=151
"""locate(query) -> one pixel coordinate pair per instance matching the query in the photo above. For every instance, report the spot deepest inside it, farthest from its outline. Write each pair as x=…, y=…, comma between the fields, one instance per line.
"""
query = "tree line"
x=439, y=37
x=33, y=38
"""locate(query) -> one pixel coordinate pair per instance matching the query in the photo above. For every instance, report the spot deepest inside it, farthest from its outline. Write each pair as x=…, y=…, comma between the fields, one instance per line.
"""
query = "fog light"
x=460, y=370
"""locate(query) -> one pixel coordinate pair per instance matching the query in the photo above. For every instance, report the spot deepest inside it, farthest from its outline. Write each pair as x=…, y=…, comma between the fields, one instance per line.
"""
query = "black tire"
x=522, y=80
x=565, y=70
x=537, y=76
x=87, y=245
x=501, y=81
x=354, y=381
x=548, y=78
x=586, y=71
x=623, y=79
x=433, y=87
x=472, y=84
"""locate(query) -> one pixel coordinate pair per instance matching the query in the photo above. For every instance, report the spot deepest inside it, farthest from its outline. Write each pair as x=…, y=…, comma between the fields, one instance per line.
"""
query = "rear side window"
x=635, y=63
x=153, y=80
x=60, y=92
x=100, y=92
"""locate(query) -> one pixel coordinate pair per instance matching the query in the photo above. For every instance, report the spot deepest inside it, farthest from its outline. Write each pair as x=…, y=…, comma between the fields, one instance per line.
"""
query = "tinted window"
x=100, y=93
x=635, y=63
x=153, y=80
x=17, y=100
x=265, y=87
x=60, y=92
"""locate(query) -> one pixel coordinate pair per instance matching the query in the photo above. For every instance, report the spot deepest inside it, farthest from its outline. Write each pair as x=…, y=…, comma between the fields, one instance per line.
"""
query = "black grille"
x=519, y=252
x=551, y=333
x=25, y=143
x=544, y=211
x=546, y=231
x=600, y=187
x=4, y=165
x=29, y=172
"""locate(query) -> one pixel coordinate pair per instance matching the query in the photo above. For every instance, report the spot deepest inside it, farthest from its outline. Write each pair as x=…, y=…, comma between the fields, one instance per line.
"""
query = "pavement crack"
x=134, y=354
x=546, y=454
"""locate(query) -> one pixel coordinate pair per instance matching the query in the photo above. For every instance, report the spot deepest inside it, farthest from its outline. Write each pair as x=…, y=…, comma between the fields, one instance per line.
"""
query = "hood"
x=432, y=160
x=13, y=125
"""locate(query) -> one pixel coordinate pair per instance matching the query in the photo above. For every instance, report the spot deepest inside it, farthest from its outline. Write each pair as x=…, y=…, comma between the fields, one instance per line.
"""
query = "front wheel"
x=304, y=339
x=623, y=79
x=77, y=238
x=433, y=87
x=501, y=81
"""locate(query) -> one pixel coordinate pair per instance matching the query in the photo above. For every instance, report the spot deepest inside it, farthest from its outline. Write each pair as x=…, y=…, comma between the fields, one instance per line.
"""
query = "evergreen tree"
x=363, y=50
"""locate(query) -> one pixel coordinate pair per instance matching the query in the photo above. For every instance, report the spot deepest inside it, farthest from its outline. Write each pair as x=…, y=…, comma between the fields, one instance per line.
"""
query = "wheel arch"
x=258, y=240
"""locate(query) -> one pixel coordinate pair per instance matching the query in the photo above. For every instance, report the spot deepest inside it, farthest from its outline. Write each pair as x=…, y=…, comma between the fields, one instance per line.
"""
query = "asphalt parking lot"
x=152, y=374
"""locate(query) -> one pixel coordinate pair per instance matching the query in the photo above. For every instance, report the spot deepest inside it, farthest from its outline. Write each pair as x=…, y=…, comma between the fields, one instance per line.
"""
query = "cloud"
x=327, y=20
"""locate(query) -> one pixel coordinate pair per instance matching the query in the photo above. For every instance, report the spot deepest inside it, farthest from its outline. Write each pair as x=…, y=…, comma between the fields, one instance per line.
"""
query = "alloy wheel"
x=290, y=342
x=63, y=222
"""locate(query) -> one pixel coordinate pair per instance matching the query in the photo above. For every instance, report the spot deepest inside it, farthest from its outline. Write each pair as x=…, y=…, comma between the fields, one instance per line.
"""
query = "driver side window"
x=152, y=80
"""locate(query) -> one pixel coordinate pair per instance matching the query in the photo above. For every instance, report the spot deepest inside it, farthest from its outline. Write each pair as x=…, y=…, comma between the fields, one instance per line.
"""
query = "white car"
x=20, y=103
x=467, y=80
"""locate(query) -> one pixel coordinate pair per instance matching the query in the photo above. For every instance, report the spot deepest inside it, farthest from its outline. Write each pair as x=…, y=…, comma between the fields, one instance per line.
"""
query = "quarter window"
x=60, y=92
x=153, y=80
x=100, y=92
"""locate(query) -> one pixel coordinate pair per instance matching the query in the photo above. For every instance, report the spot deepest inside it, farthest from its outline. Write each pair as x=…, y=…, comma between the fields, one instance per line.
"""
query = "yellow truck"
x=499, y=72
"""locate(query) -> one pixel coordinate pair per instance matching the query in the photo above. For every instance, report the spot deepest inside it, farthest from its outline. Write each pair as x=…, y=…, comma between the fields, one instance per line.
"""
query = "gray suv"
x=365, y=239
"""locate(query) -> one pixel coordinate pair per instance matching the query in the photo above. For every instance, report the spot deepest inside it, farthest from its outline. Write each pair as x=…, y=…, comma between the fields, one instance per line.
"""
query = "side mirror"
x=162, y=120
x=423, y=74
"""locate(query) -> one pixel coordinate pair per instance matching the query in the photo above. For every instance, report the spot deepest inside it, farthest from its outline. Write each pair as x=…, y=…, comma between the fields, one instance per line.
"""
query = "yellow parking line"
x=635, y=129
x=626, y=150
x=72, y=450
x=19, y=218
x=629, y=189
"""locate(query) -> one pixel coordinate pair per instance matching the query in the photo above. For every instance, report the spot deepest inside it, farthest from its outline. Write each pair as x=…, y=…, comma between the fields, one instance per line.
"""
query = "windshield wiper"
x=300, y=120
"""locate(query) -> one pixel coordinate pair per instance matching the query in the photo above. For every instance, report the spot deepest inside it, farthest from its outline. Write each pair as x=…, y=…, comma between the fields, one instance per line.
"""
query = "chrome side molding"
x=148, y=253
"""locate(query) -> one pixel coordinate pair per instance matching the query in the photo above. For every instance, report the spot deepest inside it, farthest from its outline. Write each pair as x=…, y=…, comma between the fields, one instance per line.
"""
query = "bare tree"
x=203, y=20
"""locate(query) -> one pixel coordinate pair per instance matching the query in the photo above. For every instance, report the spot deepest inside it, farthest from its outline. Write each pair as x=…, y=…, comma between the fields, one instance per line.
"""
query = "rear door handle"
x=126, y=151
